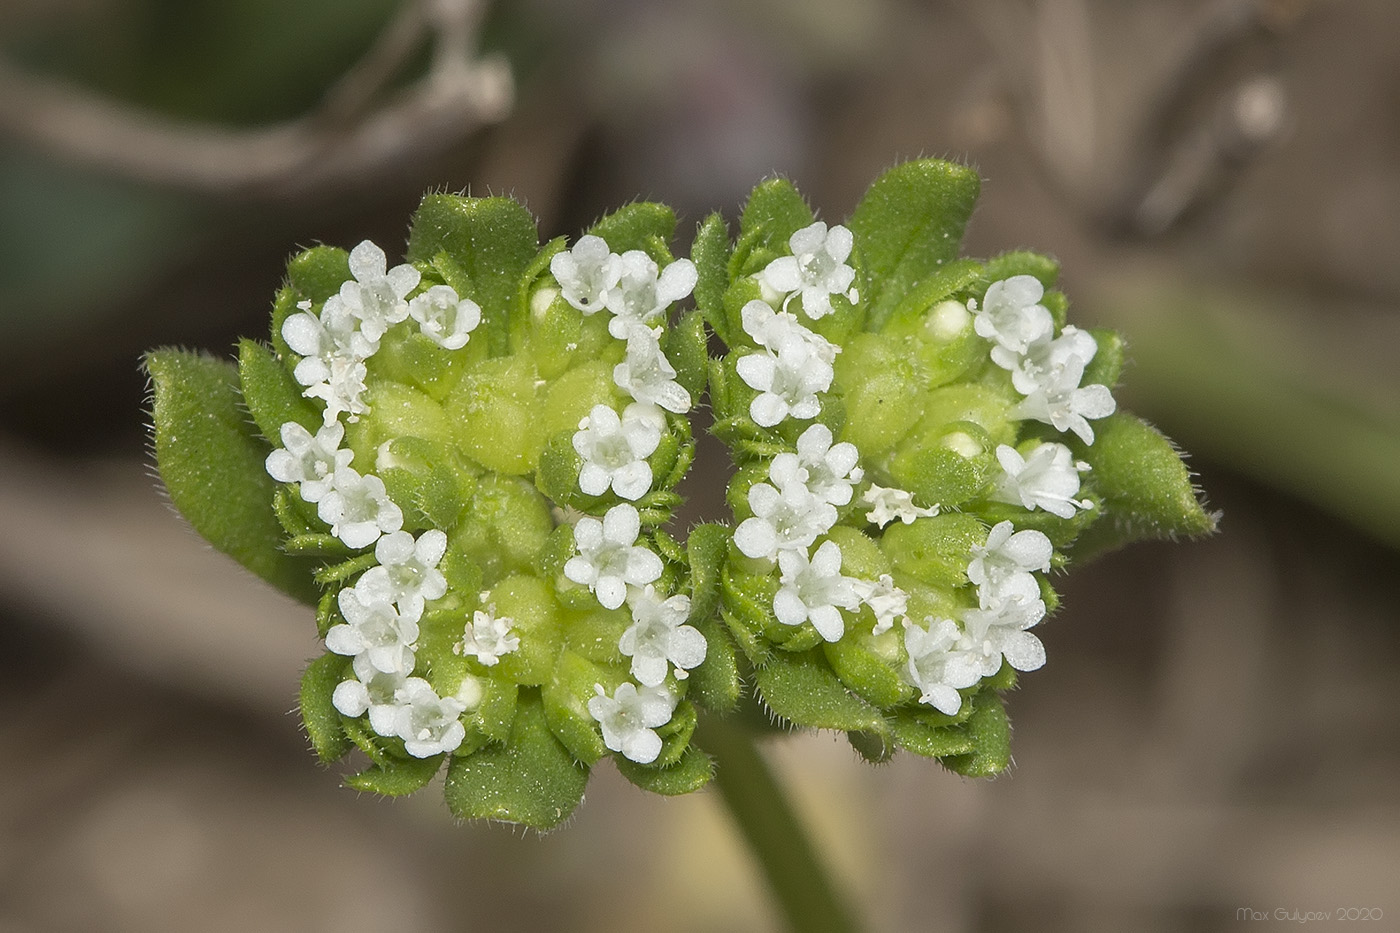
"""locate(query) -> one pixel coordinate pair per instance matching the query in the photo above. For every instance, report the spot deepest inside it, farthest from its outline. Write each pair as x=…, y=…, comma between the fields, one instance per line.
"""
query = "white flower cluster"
x=944, y=658
x=1046, y=369
x=816, y=270
x=383, y=608
x=793, y=367
x=614, y=450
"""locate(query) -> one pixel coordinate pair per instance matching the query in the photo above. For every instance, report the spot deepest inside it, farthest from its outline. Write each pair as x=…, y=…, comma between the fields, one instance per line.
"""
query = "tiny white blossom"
x=642, y=293
x=375, y=296
x=831, y=468
x=887, y=601
x=816, y=269
x=629, y=719
x=429, y=724
x=1048, y=479
x=797, y=366
x=376, y=630
x=658, y=637
x=488, y=637
x=888, y=504
x=940, y=664
x=1012, y=317
x=1007, y=559
x=814, y=590
x=377, y=692
x=647, y=376
x=787, y=519
x=309, y=460
x=609, y=558
x=445, y=318
x=775, y=329
x=614, y=450
x=407, y=574
x=358, y=508
x=343, y=390
x=319, y=338
x=586, y=273
x=1050, y=375
x=997, y=628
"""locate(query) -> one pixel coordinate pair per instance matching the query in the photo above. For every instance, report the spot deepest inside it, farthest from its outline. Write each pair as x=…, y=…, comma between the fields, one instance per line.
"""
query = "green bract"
x=470, y=464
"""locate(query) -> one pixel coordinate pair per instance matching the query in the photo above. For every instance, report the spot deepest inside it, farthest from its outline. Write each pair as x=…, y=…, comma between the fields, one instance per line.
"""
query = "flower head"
x=1007, y=558
x=827, y=471
x=940, y=664
x=378, y=693
x=1012, y=317
x=658, y=637
x=786, y=519
x=1048, y=479
x=629, y=719
x=488, y=637
x=586, y=273
x=407, y=574
x=375, y=629
x=814, y=590
x=816, y=269
x=444, y=318
x=1049, y=375
x=428, y=724
x=309, y=460
x=642, y=293
x=358, y=508
x=614, y=450
x=647, y=376
x=609, y=558
x=376, y=297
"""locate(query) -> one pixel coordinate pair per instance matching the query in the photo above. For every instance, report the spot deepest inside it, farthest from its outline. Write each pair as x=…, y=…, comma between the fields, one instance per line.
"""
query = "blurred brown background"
x=1218, y=727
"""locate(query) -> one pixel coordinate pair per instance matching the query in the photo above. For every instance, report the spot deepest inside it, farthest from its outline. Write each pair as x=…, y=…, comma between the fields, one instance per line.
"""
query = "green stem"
x=796, y=876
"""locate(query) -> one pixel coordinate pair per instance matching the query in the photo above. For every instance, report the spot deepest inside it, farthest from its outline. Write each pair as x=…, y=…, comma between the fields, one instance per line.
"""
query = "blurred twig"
x=352, y=135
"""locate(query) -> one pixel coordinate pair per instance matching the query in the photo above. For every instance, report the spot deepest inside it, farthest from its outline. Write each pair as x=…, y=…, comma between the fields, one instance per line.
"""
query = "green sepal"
x=1020, y=262
x=495, y=715
x=337, y=573
x=566, y=697
x=710, y=253
x=910, y=223
x=273, y=397
x=949, y=279
x=937, y=475
x=490, y=241
x=687, y=352
x=774, y=212
x=748, y=611
x=865, y=672
x=418, y=475
x=919, y=737
x=692, y=772
x=323, y=723
x=316, y=544
x=804, y=690
x=935, y=550
x=1146, y=488
x=317, y=273
x=212, y=464
x=872, y=746
x=532, y=779
x=396, y=777
x=705, y=550
x=291, y=513
x=637, y=226
x=715, y=685
x=990, y=733
x=675, y=734
x=373, y=745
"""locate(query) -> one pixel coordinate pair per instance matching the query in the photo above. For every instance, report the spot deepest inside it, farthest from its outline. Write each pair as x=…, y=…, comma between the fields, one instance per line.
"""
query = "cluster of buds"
x=470, y=464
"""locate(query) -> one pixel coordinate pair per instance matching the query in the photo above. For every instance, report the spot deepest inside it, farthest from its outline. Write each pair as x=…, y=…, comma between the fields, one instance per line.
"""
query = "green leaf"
x=803, y=689
x=635, y=225
x=1107, y=363
x=930, y=741
x=706, y=548
x=990, y=732
x=716, y=684
x=865, y=672
x=532, y=779
x=710, y=253
x=686, y=348
x=946, y=280
x=212, y=464
x=909, y=224
x=774, y=212
x=934, y=550
x=491, y=241
x=1146, y=488
x=566, y=697
x=322, y=721
x=691, y=773
x=1021, y=262
x=396, y=777
x=873, y=747
x=272, y=395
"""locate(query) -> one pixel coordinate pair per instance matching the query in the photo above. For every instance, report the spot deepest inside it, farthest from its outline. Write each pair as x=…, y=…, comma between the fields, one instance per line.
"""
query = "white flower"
x=787, y=519
x=814, y=590
x=887, y=601
x=333, y=352
x=342, y=390
x=1047, y=479
x=608, y=556
x=630, y=717
x=641, y=293
x=826, y=471
x=940, y=664
x=309, y=460
x=377, y=692
x=614, y=450
x=1049, y=376
x=887, y=504
x=428, y=724
x=1006, y=561
x=487, y=637
x=1012, y=317
x=358, y=509
x=997, y=628
x=444, y=318
x=375, y=296
x=658, y=637
x=407, y=573
x=648, y=376
x=586, y=273
x=774, y=329
x=376, y=630
x=817, y=268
